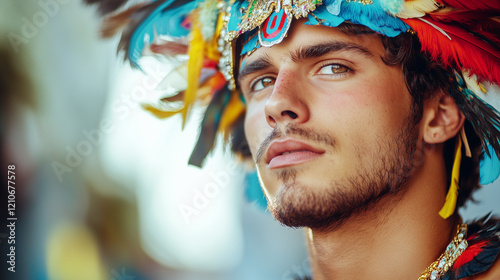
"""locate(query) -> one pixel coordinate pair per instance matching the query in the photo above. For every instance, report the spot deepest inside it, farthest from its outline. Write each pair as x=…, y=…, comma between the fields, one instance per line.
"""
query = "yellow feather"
x=195, y=63
x=234, y=109
x=417, y=8
x=159, y=113
x=451, y=198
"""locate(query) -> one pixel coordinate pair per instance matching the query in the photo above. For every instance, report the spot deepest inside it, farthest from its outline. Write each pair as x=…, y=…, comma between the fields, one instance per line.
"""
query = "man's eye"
x=333, y=69
x=262, y=83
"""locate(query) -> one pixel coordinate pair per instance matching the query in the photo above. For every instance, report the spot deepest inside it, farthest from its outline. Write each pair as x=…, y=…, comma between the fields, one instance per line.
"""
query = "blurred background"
x=102, y=188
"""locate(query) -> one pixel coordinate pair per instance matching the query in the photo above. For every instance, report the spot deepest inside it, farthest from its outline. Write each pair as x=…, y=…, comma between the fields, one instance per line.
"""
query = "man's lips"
x=287, y=152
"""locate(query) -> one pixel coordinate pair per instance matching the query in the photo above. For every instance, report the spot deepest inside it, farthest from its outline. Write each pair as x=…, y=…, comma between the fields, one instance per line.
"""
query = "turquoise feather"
x=164, y=20
x=392, y=6
x=485, y=121
x=489, y=167
x=372, y=16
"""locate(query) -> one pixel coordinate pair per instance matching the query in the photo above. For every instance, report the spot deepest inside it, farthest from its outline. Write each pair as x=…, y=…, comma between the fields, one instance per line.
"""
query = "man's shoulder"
x=481, y=258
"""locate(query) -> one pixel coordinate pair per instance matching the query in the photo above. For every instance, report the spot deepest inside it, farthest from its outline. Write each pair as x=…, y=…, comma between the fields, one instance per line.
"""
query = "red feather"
x=478, y=23
x=472, y=5
x=491, y=25
x=469, y=254
x=208, y=63
x=469, y=18
x=464, y=50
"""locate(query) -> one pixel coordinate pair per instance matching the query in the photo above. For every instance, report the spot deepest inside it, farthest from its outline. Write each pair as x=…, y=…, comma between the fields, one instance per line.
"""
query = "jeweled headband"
x=462, y=35
x=266, y=23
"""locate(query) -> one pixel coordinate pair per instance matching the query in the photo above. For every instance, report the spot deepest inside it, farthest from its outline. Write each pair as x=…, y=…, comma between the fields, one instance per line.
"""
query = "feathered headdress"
x=462, y=35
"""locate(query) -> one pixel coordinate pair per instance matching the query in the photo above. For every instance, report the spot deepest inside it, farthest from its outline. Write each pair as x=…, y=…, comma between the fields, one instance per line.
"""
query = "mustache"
x=289, y=130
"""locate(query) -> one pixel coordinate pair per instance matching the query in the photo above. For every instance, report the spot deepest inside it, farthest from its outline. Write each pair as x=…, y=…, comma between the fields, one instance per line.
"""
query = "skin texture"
x=345, y=103
x=367, y=183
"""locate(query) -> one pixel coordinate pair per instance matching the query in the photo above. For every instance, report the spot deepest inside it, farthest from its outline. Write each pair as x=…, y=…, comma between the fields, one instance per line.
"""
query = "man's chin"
x=287, y=216
x=297, y=206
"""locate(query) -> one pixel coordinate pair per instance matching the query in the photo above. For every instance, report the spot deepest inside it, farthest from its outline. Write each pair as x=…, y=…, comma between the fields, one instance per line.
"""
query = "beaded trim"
x=226, y=65
x=456, y=247
x=256, y=13
x=364, y=2
x=259, y=10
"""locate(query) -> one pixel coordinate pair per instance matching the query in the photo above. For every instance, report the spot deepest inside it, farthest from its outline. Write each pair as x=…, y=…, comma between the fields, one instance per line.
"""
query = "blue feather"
x=236, y=15
x=251, y=44
x=372, y=16
x=253, y=191
x=489, y=167
x=164, y=20
x=485, y=121
x=392, y=6
x=333, y=6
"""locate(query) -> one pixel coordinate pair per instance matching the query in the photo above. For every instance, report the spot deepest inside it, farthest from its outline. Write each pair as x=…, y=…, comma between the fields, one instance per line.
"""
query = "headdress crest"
x=462, y=35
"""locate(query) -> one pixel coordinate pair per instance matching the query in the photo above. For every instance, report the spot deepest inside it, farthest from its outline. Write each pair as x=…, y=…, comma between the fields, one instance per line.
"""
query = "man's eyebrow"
x=318, y=50
x=304, y=53
x=260, y=63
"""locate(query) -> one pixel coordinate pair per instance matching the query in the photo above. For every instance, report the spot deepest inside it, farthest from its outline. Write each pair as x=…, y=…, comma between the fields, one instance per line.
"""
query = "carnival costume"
x=462, y=35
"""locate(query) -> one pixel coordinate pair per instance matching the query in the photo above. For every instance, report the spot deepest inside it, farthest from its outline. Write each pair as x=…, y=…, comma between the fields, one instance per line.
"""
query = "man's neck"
x=396, y=240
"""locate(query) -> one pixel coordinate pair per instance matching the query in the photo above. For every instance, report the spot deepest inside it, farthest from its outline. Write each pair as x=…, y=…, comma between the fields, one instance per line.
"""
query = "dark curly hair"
x=425, y=77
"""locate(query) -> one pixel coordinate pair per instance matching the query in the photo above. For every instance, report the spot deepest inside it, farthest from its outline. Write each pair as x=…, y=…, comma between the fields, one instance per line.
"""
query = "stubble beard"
x=297, y=205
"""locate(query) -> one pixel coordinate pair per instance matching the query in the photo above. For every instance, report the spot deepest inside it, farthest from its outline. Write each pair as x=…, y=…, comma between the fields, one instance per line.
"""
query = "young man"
x=339, y=150
x=356, y=115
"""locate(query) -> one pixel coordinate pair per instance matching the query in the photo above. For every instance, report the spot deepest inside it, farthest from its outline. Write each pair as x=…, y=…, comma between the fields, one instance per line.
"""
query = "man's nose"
x=287, y=102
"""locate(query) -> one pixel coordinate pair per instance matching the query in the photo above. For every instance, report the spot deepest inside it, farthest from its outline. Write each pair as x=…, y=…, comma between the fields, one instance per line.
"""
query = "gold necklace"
x=457, y=246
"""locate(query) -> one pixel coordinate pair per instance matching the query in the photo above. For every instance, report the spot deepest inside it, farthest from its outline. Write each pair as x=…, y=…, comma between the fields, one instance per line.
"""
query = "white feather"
x=436, y=27
x=490, y=94
x=418, y=8
x=472, y=83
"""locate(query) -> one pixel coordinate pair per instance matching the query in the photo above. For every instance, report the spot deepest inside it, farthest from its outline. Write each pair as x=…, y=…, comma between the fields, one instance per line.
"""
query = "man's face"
x=328, y=124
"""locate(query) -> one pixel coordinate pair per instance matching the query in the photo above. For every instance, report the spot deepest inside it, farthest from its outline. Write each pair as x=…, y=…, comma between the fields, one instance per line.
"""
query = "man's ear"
x=441, y=119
